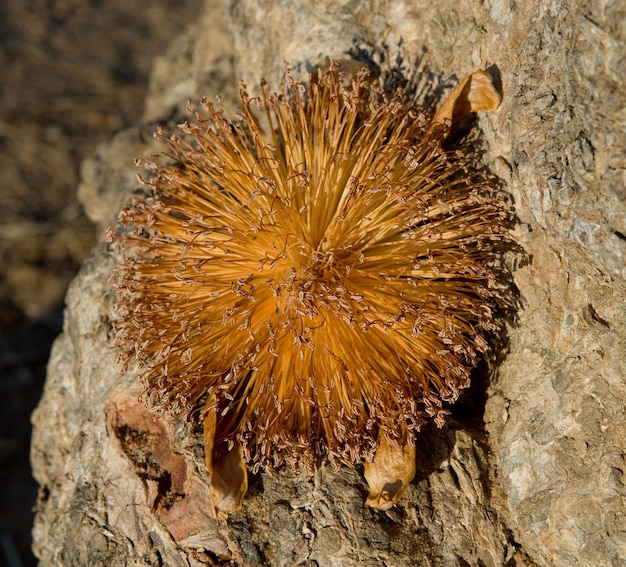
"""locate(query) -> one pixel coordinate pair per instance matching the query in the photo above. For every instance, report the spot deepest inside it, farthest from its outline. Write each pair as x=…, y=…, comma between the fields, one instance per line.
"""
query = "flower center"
x=305, y=282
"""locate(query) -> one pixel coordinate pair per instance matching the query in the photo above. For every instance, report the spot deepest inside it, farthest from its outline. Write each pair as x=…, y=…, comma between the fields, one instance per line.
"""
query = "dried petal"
x=227, y=469
x=389, y=473
x=474, y=93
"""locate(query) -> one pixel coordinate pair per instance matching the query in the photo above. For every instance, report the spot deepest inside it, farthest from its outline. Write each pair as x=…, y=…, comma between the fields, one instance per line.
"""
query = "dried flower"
x=322, y=283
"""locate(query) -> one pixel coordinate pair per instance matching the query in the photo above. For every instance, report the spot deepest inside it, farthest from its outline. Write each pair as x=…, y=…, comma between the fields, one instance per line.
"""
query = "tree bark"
x=530, y=468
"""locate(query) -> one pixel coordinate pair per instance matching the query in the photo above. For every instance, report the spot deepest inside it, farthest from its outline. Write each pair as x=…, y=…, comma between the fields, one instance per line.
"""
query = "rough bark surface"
x=530, y=469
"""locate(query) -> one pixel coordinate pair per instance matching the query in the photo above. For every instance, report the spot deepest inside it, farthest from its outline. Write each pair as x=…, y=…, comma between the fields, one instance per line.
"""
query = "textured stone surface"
x=534, y=475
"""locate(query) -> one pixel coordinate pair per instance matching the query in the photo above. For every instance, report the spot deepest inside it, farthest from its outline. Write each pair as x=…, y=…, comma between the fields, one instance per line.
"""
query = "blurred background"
x=72, y=73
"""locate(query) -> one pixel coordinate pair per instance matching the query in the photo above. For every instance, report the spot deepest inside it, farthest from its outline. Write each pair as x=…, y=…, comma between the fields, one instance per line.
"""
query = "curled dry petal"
x=227, y=470
x=389, y=473
x=474, y=93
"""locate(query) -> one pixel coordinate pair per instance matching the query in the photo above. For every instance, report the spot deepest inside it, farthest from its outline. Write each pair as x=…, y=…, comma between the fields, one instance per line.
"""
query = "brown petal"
x=475, y=92
x=229, y=475
x=389, y=473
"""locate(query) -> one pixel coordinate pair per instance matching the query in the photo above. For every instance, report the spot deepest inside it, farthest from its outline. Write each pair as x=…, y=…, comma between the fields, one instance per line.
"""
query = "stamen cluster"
x=317, y=268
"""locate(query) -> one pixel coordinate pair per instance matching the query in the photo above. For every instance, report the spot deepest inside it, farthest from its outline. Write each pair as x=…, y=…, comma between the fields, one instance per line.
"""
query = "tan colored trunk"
x=530, y=468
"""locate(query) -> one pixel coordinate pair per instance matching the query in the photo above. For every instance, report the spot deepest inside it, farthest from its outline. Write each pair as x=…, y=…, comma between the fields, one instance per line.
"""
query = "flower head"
x=317, y=268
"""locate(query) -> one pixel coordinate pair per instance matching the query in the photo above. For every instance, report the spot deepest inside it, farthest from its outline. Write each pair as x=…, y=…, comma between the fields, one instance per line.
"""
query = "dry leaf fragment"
x=389, y=473
x=476, y=92
x=229, y=475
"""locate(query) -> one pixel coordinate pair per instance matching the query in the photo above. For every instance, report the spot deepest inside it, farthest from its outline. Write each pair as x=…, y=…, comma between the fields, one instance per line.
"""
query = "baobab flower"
x=317, y=272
